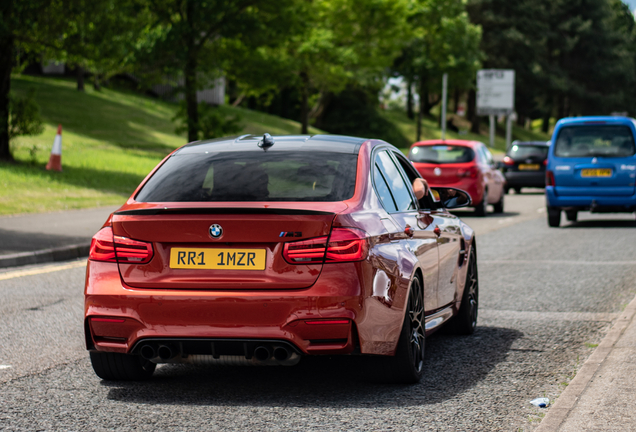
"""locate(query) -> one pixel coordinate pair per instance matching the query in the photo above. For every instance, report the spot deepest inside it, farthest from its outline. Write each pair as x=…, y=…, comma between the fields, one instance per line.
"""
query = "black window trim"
x=390, y=150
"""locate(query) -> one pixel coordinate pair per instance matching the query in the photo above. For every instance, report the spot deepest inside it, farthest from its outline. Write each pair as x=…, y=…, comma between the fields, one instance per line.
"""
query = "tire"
x=465, y=322
x=571, y=215
x=506, y=190
x=499, y=205
x=407, y=365
x=482, y=208
x=517, y=190
x=554, y=217
x=121, y=367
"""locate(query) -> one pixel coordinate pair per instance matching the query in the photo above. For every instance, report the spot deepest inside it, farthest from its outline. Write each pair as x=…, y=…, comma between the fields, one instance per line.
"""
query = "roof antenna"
x=266, y=142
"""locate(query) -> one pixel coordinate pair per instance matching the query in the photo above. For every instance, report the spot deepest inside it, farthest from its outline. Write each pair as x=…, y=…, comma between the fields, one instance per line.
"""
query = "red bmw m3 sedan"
x=255, y=250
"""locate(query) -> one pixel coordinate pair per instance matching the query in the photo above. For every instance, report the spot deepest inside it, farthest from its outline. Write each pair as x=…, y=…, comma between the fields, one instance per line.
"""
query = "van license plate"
x=218, y=259
x=596, y=172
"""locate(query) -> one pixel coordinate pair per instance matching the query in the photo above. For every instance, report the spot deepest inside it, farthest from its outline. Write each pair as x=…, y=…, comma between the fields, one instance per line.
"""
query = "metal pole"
x=492, y=131
x=444, y=97
x=508, y=130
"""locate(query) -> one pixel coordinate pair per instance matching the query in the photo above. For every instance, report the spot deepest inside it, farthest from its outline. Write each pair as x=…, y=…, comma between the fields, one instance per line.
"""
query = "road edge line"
x=566, y=402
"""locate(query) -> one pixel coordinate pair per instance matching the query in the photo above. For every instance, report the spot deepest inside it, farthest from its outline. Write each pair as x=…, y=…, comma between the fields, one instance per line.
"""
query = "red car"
x=248, y=251
x=466, y=165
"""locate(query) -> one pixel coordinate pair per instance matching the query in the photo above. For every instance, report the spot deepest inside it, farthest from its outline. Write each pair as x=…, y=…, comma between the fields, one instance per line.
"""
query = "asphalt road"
x=547, y=297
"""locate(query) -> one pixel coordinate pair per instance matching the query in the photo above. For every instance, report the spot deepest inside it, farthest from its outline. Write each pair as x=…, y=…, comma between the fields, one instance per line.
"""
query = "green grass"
x=111, y=140
x=431, y=130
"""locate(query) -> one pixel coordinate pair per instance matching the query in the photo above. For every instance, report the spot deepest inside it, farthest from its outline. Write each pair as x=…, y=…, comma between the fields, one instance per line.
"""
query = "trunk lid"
x=247, y=255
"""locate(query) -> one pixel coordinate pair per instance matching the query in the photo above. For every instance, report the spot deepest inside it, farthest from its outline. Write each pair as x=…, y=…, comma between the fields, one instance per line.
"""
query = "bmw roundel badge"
x=216, y=231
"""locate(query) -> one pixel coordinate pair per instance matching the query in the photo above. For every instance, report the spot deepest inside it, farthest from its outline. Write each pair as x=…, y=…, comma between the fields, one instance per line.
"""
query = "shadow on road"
x=17, y=241
x=602, y=224
x=453, y=364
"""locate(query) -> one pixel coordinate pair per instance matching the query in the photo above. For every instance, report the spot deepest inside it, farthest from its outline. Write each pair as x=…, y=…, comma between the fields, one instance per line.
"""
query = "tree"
x=344, y=42
x=26, y=22
x=101, y=37
x=444, y=42
x=196, y=39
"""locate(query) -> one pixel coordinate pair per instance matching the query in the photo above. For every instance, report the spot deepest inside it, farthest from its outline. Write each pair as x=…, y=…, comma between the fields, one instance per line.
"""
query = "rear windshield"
x=441, y=154
x=525, y=151
x=253, y=176
x=597, y=140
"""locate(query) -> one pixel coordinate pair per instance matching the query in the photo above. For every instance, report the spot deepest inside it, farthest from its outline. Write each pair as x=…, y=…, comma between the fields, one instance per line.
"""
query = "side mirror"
x=452, y=198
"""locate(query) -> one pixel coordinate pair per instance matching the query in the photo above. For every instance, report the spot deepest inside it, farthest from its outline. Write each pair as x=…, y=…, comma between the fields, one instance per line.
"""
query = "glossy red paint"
x=474, y=177
x=353, y=302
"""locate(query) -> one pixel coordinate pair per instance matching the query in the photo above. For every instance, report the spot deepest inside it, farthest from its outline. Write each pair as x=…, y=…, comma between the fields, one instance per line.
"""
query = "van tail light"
x=343, y=245
x=107, y=247
x=507, y=160
x=470, y=172
x=549, y=178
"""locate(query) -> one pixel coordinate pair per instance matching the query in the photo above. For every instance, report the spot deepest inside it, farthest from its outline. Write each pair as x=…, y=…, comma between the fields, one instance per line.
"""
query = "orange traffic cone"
x=55, y=161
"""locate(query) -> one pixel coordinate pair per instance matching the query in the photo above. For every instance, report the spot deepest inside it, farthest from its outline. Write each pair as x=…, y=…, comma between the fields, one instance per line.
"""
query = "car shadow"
x=608, y=223
x=452, y=365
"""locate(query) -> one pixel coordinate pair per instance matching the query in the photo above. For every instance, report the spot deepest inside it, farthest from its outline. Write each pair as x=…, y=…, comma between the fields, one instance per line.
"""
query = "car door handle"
x=437, y=231
x=408, y=231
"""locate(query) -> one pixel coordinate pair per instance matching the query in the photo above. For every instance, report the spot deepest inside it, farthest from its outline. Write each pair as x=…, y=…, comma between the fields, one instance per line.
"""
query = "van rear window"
x=253, y=176
x=596, y=140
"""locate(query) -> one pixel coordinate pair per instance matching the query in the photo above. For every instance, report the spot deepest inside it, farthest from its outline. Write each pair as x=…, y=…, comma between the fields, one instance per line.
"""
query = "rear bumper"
x=598, y=204
x=525, y=179
x=322, y=319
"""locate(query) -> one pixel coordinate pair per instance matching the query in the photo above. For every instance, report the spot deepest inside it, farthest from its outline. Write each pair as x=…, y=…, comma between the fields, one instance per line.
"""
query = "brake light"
x=549, y=178
x=345, y=245
x=470, y=172
x=109, y=248
x=545, y=162
x=305, y=251
x=507, y=160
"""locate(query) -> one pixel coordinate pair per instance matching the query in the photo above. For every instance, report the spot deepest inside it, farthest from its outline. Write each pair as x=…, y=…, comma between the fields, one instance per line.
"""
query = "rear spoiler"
x=219, y=210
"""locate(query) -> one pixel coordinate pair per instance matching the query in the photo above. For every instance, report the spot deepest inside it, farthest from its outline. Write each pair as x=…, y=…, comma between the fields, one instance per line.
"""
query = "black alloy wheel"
x=482, y=208
x=465, y=321
x=571, y=215
x=499, y=205
x=407, y=366
x=111, y=366
x=554, y=217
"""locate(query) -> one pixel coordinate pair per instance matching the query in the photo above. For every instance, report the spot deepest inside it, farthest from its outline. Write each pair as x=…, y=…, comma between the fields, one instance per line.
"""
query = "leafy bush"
x=353, y=112
x=24, y=116
x=212, y=122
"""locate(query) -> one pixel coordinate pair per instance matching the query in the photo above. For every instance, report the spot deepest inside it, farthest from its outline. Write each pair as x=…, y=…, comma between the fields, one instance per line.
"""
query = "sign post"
x=444, y=97
x=495, y=95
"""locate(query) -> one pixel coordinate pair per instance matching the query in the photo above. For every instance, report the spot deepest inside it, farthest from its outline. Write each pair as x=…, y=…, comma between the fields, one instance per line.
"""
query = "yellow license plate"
x=596, y=172
x=529, y=167
x=218, y=259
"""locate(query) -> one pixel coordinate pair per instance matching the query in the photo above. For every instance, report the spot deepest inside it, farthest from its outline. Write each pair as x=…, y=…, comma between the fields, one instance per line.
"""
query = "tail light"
x=306, y=251
x=549, y=178
x=107, y=247
x=545, y=162
x=470, y=172
x=343, y=245
x=507, y=160
x=347, y=244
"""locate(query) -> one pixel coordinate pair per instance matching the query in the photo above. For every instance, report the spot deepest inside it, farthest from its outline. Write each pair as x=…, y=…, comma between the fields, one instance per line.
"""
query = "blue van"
x=591, y=166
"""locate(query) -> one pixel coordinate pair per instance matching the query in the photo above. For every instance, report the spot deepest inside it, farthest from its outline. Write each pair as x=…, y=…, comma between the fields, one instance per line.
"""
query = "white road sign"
x=495, y=91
